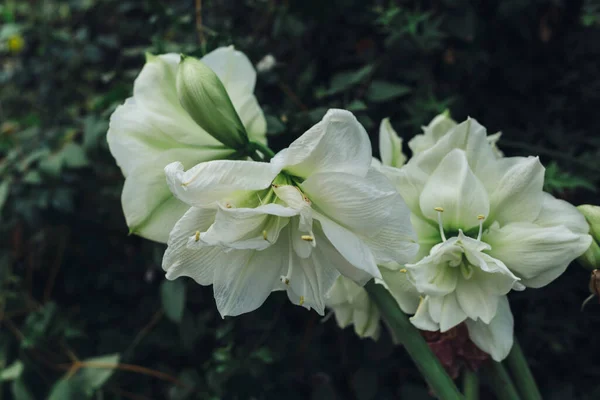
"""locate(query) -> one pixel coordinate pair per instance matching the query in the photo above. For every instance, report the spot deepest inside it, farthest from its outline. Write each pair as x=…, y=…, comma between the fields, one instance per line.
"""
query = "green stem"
x=409, y=336
x=519, y=369
x=266, y=151
x=500, y=381
x=470, y=385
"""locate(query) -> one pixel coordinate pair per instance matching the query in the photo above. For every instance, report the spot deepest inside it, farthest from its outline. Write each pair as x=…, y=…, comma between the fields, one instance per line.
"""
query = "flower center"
x=440, y=210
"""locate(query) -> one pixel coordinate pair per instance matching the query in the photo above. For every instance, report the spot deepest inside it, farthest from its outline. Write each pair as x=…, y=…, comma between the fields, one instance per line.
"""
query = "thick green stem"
x=427, y=363
x=500, y=382
x=519, y=369
x=265, y=150
x=470, y=385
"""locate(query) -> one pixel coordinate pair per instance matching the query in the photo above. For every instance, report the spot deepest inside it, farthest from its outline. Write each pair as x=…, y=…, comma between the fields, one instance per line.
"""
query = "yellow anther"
x=481, y=217
x=301, y=300
x=197, y=237
x=439, y=209
x=228, y=205
x=307, y=238
x=306, y=199
x=264, y=233
x=274, y=185
x=403, y=270
x=286, y=281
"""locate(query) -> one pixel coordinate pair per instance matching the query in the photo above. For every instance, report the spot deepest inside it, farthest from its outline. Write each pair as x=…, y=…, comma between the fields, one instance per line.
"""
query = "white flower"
x=317, y=210
x=437, y=128
x=352, y=306
x=485, y=227
x=152, y=129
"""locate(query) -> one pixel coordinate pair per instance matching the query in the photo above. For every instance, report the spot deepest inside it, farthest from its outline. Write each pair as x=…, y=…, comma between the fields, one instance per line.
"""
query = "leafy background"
x=78, y=295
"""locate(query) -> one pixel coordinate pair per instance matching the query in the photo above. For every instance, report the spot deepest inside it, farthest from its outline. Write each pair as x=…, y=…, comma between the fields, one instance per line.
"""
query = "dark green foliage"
x=74, y=284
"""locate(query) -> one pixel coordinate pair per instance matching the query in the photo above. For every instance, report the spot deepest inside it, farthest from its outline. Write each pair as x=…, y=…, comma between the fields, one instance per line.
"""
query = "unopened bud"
x=202, y=94
x=591, y=258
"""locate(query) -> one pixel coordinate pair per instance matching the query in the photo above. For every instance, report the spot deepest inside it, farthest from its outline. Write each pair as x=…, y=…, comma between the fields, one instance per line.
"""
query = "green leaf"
x=172, y=294
x=274, y=125
x=4, y=191
x=345, y=80
x=382, y=91
x=356, y=105
x=95, y=378
x=12, y=372
x=69, y=389
x=557, y=180
x=20, y=391
x=74, y=156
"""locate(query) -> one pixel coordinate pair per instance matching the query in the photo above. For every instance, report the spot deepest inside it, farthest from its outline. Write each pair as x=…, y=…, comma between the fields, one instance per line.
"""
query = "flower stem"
x=427, y=363
x=470, y=385
x=521, y=373
x=500, y=381
x=266, y=151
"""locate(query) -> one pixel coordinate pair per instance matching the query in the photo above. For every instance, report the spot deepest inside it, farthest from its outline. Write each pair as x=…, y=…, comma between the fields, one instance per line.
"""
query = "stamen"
x=481, y=218
x=227, y=205
x=440, y=210
x=403, y=270
x=301, y=300
x=307, y=238
x=197, y=237
x=285, y=280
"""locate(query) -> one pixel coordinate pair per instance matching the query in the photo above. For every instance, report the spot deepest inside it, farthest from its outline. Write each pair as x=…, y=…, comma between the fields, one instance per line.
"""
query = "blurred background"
x=76, y=290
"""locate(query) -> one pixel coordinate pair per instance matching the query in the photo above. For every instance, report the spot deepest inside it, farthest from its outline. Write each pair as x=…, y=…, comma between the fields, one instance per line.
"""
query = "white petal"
x=338, y=143
x=559, y=212
x=350, y=246
x=518, y=195
x=536, y=254
x=213, y=181
x=469, y=136
x=390, y=145
x=474, y=300
x=495, y=338
x=155, y=92
x=397, y=283
x=432, y=277
x=446, y=311
x=451, y=313
x=428, y=236
x=310, y=279
x=246, y=278
x=180, y=260
x=369, y=206
x=422, y=318
x=437, y=128
x=150, y=209
x=455, y=188
x=247, y=228
x=239, y=78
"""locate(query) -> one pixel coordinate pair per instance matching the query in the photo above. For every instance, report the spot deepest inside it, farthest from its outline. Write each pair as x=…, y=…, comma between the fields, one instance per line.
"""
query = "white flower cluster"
x=449, y=233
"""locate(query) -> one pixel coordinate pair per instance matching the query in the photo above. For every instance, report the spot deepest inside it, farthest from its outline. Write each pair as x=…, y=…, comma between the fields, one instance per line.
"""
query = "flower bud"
x=202, y=94
x=591, y=258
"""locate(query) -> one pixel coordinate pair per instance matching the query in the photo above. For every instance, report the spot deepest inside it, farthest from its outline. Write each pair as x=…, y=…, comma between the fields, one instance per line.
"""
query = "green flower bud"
x=591, y=258
x=202, y=94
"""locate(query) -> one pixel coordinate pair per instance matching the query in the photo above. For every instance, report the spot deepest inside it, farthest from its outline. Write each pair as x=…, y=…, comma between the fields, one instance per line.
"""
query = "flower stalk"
x=470, y=385
x=427, y=363
x=500, y=381
x=522, y=375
